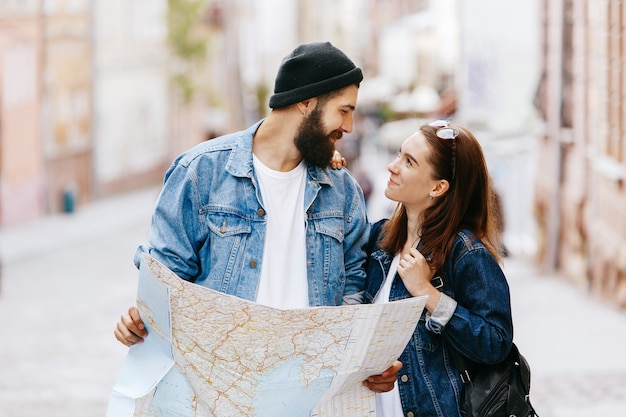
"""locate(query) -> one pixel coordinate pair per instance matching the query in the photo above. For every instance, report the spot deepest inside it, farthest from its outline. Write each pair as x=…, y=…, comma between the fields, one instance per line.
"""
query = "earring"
x=430, y=195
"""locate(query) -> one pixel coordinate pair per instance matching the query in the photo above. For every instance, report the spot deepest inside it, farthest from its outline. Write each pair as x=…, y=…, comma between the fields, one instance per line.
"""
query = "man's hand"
x=385, y=381
x=130, y=329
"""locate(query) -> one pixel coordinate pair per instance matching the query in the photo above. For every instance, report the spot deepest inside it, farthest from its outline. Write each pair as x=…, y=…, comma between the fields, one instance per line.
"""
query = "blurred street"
x=99, y=96
x=66, y=279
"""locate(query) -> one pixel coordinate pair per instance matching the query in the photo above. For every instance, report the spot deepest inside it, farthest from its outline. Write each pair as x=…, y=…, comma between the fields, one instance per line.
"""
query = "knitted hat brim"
x=287, y=98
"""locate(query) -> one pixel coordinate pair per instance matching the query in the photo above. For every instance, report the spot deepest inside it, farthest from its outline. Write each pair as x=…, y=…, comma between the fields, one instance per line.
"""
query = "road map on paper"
x=212, y=354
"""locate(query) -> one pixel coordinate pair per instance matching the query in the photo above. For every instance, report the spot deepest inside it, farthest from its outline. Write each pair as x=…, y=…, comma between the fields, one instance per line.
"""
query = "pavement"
x=67, y=278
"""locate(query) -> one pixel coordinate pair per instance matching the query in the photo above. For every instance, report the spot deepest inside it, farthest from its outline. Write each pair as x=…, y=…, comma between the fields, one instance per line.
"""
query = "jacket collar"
x=240, y=161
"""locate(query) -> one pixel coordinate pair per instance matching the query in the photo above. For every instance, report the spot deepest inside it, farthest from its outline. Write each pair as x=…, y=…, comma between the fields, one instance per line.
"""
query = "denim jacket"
x=209, y=224
x=473, y=317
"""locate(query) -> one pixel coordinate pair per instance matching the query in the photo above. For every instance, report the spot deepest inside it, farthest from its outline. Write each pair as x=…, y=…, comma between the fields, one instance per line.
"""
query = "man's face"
x=326, y=124
x=314, y=144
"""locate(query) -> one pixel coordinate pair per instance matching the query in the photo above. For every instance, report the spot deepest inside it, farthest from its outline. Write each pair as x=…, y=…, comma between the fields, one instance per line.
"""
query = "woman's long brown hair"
x=469, y=203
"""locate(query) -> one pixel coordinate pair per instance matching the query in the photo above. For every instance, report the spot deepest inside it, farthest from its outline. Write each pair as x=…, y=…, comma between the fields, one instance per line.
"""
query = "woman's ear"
x=440, y=188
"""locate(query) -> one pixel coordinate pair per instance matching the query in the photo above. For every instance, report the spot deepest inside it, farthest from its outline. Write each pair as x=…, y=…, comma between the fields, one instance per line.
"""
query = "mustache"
x=336, y=134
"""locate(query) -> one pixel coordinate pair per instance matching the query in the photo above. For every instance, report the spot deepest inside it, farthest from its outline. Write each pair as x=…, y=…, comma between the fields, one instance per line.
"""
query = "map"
x=212, y=354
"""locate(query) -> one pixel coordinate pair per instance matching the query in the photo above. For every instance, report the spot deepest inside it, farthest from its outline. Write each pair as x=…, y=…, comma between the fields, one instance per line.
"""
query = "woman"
x=441, y=241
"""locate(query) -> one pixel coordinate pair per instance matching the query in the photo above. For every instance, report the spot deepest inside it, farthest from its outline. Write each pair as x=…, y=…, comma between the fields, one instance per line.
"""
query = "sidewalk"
x=573, y=342
x=66, y=280
x=87, y=222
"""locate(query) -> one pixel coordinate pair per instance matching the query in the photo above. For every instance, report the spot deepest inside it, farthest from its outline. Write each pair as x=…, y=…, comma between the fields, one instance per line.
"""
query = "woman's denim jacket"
x=473, y=316
x=209, y=224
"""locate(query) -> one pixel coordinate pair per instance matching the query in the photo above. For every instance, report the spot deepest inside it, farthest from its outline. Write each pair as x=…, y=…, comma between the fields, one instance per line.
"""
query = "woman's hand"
x=416, y=274
x=338, y=161
x=385, y=381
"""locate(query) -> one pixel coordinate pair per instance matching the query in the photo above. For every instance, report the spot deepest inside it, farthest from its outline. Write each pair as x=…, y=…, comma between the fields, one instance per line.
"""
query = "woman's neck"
x=413, y=232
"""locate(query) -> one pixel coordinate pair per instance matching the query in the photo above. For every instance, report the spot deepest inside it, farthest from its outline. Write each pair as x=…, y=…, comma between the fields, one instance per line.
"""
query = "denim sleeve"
x=481, y=327
x=355, y=240
x=176, y=230
x=442, y=314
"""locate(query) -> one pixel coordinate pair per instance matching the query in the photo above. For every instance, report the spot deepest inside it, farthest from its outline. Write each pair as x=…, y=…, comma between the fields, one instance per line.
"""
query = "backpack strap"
x=523, y=366
x=461, y=365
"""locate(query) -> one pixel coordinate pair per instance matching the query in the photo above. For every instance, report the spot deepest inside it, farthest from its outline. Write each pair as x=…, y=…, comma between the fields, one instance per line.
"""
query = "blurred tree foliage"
x=187, y=39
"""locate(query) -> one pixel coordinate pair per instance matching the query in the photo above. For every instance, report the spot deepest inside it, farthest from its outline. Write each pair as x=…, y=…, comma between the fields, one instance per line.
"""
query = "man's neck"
x=273, y=142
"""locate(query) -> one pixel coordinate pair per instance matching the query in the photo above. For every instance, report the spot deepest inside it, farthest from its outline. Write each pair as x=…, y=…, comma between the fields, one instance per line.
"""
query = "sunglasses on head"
x=445, y=132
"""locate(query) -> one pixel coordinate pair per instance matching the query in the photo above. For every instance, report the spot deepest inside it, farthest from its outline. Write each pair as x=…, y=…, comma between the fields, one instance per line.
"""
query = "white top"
x=283, y=281
x=388, y=404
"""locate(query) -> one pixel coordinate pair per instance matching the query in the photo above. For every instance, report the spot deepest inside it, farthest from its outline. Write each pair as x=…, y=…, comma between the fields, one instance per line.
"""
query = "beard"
x=316, y=146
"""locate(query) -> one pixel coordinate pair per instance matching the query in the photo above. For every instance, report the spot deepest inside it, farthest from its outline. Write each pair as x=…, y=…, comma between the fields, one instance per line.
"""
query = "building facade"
x=131, y=111
x=84, y=103
x=581, y=195
x=22, y=162
x=66, y=112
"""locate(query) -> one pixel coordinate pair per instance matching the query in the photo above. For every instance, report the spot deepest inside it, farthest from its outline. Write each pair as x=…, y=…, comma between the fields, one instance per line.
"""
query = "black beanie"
x=310, y=70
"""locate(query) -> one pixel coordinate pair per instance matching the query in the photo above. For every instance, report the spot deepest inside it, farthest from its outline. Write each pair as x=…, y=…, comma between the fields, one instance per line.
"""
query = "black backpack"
x=500, y=390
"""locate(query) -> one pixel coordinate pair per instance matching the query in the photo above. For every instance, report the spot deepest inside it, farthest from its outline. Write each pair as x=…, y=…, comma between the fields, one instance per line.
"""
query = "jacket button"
x=410, y=414
x=260, y=212
x=404, y=378
x=252, y=264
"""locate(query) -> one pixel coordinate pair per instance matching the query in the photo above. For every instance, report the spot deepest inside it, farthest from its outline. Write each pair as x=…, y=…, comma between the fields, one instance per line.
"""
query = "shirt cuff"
x=442, y=314
x=351, y=299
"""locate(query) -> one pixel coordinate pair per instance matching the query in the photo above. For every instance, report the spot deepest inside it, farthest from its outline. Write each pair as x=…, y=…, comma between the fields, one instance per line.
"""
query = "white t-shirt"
x=283, y=281
x=388, y=404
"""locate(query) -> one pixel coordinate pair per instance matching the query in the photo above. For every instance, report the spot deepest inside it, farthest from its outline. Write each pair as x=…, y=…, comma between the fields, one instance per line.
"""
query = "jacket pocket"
x=329, y=226
x=225, y=251
x=227, y=224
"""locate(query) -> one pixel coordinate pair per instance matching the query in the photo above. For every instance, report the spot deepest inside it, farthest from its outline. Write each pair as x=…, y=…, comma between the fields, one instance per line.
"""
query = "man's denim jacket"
x=209, y=224
x=473, y=317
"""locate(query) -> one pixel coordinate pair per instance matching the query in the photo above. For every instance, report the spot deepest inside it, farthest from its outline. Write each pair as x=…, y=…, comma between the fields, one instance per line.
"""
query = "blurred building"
x=84, y=102
x=496, y=77
x=22, y=160
x=581, y=195
x=66, y=112
x=133, y=143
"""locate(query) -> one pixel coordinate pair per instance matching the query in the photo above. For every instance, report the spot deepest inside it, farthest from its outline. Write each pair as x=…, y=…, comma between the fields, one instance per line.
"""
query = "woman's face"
x=410, y=180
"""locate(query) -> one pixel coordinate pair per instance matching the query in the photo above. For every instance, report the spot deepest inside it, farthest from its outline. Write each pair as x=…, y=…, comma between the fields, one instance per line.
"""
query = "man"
x=258, y=214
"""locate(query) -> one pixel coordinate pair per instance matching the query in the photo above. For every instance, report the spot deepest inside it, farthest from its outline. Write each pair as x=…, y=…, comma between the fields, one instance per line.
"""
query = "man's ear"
x=440, y=188
x=306, y=106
